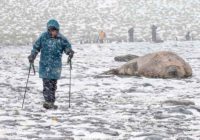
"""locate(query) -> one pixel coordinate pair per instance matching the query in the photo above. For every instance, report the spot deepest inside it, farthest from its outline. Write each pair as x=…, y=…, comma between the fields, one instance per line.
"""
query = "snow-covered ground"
x=102, y=107
x=21, y=21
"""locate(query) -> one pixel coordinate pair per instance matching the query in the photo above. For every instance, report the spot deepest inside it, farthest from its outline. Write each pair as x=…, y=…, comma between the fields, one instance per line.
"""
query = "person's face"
x=53, y=33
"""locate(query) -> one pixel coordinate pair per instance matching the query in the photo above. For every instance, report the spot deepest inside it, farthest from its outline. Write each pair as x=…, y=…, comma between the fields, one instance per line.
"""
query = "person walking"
x=131, y=34
x=51, y=44
x=102, y=36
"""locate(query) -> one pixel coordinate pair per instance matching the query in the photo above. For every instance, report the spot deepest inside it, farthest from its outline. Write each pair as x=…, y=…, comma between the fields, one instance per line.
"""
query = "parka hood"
x=53, y=23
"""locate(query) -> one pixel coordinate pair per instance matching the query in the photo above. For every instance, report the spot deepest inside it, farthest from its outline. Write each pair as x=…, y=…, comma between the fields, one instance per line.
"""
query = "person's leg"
x=46, y=89
x=53, y=86
x=49, y=89
x=101, y=41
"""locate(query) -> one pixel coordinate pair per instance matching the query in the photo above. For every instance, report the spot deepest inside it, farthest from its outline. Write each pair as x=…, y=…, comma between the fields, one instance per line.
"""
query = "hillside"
x=23, y=20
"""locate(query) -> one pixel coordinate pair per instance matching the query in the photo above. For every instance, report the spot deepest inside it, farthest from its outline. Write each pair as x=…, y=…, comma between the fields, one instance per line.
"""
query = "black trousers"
x=101, y=41
x=49, y=89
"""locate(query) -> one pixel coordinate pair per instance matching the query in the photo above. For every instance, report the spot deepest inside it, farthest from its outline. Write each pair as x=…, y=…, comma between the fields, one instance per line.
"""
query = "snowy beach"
x=109, y=107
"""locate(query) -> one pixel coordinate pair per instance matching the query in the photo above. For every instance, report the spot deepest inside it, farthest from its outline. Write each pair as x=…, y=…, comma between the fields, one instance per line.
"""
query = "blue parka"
x=51, y=49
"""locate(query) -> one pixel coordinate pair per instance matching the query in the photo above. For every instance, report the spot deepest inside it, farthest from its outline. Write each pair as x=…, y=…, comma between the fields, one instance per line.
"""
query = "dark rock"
x=179, y=102
x=147, y=85
x=125, y=58
x=9, y=122
x=130, y=90
x=151, y=136
x=161, y=116
x=154, y=137
x=180, y=110
x=107, y=131
x=184, y=138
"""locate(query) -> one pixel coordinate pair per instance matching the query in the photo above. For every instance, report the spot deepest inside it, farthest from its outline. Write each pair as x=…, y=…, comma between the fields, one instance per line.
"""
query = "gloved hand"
x=71, y=54
x=31, y=58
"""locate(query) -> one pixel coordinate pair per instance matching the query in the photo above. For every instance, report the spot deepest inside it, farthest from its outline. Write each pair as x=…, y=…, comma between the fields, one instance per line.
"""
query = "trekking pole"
x=70, y=78
x=31, y=64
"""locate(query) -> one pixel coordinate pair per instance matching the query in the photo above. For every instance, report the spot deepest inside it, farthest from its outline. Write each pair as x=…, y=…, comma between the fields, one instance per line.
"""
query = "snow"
x=102, y=107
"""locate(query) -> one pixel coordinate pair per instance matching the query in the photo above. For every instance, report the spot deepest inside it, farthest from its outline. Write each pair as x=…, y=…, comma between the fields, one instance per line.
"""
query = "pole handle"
x=32, y=64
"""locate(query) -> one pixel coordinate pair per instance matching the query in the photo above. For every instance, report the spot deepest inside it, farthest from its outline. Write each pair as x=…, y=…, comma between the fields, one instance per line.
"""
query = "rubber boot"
x=49, y=105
